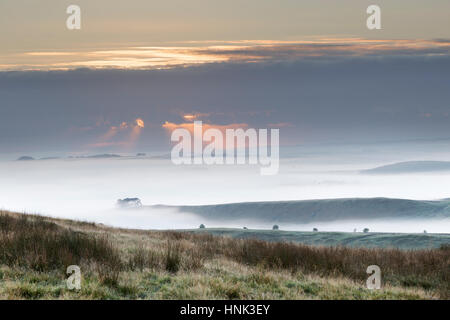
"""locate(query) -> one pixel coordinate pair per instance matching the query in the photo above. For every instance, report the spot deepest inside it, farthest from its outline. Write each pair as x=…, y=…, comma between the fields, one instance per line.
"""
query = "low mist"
x=87, y=189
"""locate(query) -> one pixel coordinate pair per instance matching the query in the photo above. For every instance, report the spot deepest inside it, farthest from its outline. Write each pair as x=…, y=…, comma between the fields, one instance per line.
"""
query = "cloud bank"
x=333, y=99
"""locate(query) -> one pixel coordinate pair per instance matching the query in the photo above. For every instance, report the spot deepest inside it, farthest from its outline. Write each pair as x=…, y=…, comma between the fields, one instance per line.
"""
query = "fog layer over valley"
x=87, y=189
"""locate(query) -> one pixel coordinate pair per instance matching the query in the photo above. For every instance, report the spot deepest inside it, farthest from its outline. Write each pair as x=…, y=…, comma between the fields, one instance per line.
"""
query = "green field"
x=351, y=239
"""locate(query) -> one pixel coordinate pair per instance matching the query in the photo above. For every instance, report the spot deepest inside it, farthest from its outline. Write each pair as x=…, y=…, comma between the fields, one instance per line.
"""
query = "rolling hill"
x=410, y=167
x=306, y=211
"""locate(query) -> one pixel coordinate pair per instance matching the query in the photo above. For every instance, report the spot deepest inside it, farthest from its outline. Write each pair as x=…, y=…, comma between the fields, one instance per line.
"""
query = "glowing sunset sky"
x=140, y=34
x=311, y=68
x=239, y=51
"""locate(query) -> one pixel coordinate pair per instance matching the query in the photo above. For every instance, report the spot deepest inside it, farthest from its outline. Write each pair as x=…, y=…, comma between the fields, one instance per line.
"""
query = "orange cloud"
x=195, y=116
x=170, y=126
x=140, y=123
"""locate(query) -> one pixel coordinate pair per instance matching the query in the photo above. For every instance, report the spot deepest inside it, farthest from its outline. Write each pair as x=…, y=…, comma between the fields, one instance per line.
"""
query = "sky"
x=345, y=98
x=33, y=25
x=137, y=69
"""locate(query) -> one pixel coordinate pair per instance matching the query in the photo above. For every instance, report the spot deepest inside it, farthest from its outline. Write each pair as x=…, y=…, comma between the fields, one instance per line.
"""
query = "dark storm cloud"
x=327, y=99
x=339, y=48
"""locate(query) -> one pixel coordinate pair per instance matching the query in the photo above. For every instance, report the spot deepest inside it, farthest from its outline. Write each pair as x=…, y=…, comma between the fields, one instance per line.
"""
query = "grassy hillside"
x=308, y=211
x=137, y=264
x=367, y=240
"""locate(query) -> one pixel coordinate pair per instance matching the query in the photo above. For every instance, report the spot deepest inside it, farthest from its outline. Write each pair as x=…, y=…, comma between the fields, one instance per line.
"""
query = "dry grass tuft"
x=35, y=243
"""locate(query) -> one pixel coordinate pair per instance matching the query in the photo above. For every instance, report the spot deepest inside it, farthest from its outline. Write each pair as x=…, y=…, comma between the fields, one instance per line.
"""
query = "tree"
x=315, y=229
x=366, y=230
x=245, y=228
x=129, y=203
x=202, y=226
x=275, y=227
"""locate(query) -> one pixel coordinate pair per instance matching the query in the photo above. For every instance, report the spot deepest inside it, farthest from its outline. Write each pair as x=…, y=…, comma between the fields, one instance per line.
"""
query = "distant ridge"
x=97, y=156
x=50, y=158
x=306, y=211
x=103, y=156
x=25, y=158
x=410, y=167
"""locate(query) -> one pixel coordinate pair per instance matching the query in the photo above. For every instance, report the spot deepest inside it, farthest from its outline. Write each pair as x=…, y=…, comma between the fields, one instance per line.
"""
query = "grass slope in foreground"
x=137, y=264
x=355, y=239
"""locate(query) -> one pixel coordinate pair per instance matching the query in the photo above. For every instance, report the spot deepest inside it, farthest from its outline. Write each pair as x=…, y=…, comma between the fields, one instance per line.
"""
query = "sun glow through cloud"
x=170, y=126
x=140, y=123
x=127, y=135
